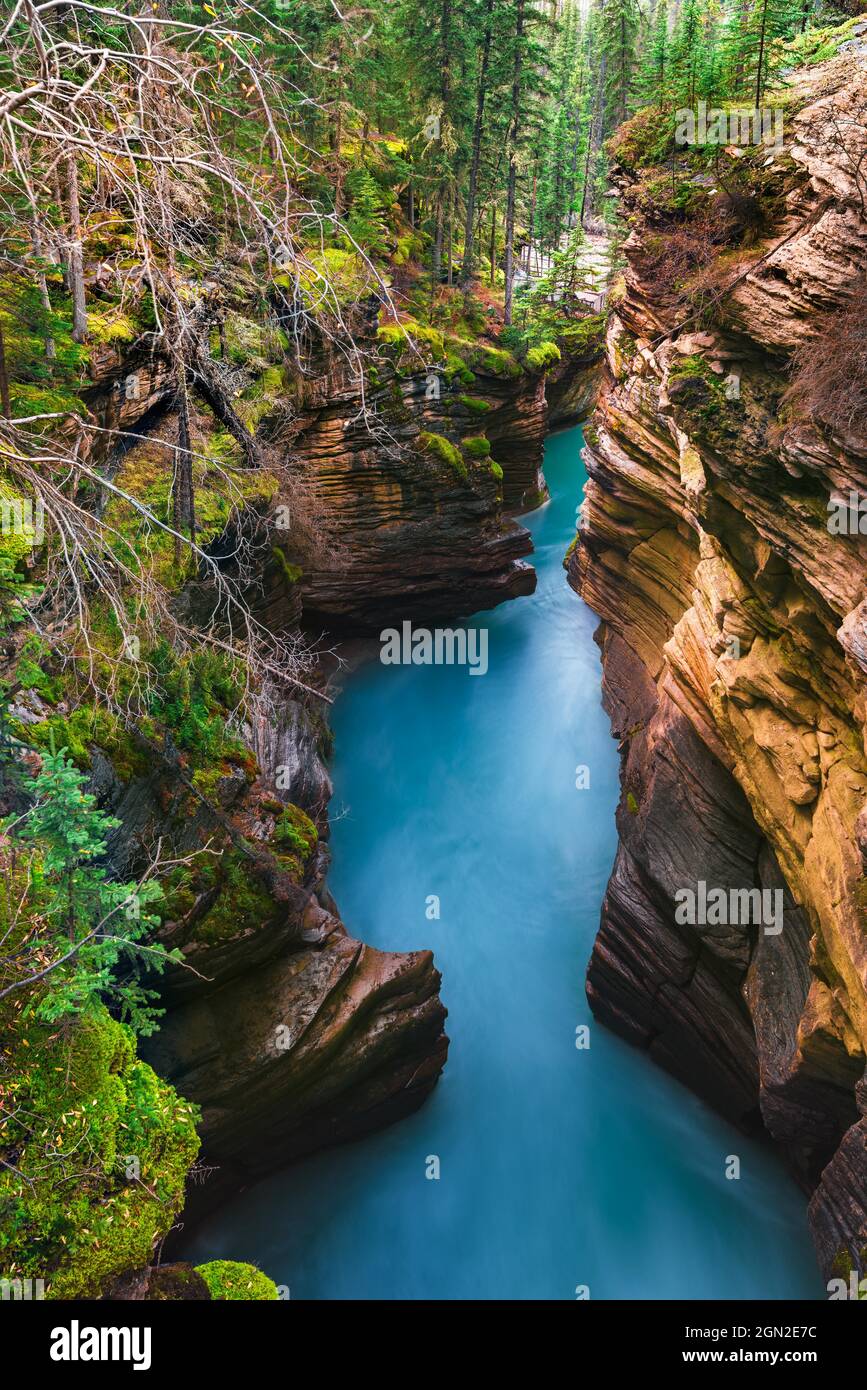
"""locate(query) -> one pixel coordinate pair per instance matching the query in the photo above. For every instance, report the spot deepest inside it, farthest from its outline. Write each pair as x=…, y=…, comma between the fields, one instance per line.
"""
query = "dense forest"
x=207, y=211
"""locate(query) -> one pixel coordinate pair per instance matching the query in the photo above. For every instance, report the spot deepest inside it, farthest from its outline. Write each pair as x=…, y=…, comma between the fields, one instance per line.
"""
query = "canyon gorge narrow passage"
x=559, y=1167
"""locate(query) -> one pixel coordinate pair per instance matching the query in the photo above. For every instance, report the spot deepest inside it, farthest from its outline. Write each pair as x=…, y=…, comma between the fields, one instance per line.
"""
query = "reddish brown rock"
x=733, y=650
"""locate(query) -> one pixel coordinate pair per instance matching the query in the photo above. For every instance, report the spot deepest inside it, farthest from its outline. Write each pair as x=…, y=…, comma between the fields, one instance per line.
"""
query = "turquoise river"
x=560, y=1168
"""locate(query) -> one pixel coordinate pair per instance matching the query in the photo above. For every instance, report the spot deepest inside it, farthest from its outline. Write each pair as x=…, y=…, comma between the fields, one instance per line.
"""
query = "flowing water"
x=559, y=1167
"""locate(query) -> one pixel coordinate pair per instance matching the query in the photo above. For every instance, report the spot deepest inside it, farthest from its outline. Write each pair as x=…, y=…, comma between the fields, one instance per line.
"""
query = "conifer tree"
x=619, y=35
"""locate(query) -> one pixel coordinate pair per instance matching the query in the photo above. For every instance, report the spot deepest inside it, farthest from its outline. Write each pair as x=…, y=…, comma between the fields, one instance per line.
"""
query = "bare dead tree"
x=109, y=113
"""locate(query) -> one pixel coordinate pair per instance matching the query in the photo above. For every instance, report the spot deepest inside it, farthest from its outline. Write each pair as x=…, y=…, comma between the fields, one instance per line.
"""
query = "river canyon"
x=560, y=1171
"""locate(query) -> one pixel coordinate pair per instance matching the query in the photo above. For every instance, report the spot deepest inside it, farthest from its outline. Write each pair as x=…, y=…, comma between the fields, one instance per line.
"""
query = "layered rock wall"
x=735, y=653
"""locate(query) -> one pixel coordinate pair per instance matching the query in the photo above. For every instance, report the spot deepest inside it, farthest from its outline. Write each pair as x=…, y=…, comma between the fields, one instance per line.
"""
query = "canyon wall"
x=734, y=642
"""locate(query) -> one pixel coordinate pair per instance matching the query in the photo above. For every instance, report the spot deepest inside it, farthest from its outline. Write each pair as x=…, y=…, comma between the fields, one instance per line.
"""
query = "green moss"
x=392, y=334
x=295, y=831
x=251, y=344
x=230, y=882
x=227, y=1279
x=582, y=337
x=475, y=404
x=30, y=671
x=443, y=449
x=643, y=139
x=194, y=697
x=818, y=45
x=844, y=1264
x=222, y=486
x=457, y=370
x=30, y=399
x=111, y=326
x=18, y=529
x=334, y=273
x=632, y=804
x=475, y=357
x=176, y=1282
x=408, y=247
x=497, y=470
x=476, y=446
x=693, y=365
x=102, y=1147
x=544, y=356
x=707, y=398
x=86, y=728
x=412, y=338
x=291, y=573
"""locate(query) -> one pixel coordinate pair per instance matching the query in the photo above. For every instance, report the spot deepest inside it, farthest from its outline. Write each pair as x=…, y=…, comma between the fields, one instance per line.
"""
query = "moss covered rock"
x=443, y=449
x=97, y=1148
x=476, y=446
x=236, y=1282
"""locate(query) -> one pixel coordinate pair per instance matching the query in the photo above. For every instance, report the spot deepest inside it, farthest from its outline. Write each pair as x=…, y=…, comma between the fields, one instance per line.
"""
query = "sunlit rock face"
x=735, y=650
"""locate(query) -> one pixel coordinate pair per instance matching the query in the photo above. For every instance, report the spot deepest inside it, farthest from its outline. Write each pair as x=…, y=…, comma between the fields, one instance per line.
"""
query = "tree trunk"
x=531, y=218
x=624, y=79
x=478, y=126
x=76, y=256
x=43, y=289
x=183, y=497
x=587, y=169
x=511, y=186
x=5, y=403
x=437, y=266
x=445, y=94
x=759, y=83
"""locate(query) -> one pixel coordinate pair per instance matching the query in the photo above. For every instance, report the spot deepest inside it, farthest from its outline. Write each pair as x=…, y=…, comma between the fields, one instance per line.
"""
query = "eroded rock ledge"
x=288, y=1032
x=733, y=641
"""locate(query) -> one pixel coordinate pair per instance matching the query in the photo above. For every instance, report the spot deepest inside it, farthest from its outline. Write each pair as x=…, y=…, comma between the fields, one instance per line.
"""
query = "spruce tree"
x=619, y=36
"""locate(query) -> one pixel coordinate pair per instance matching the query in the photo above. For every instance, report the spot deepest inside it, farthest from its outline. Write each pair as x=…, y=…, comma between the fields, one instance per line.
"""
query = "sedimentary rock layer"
x=734, y=652
x=412, y=537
